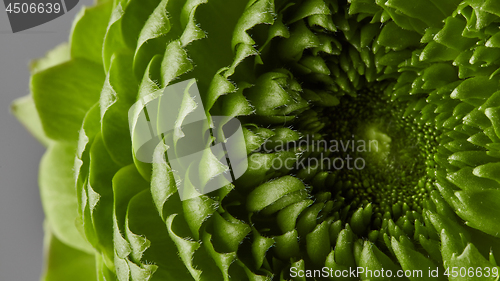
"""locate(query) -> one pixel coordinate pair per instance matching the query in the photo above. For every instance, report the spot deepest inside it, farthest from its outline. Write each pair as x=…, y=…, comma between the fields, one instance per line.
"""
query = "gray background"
x=21, y=215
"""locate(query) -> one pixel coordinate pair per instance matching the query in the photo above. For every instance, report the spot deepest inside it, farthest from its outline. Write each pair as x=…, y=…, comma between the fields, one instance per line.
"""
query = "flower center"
x=391, y=154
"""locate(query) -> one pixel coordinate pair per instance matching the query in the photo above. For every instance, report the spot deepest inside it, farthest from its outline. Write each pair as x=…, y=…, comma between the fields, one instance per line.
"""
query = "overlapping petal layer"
x=286, y=70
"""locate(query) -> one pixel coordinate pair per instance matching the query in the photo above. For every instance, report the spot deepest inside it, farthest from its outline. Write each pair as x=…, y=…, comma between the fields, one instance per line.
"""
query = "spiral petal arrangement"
x=420, y=77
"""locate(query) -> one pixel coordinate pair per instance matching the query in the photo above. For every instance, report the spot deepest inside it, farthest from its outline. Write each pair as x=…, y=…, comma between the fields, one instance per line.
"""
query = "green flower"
x=416, y=79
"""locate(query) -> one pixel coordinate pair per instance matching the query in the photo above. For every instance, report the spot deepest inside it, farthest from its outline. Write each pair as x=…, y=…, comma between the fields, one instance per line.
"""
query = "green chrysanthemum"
x=420, y=77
